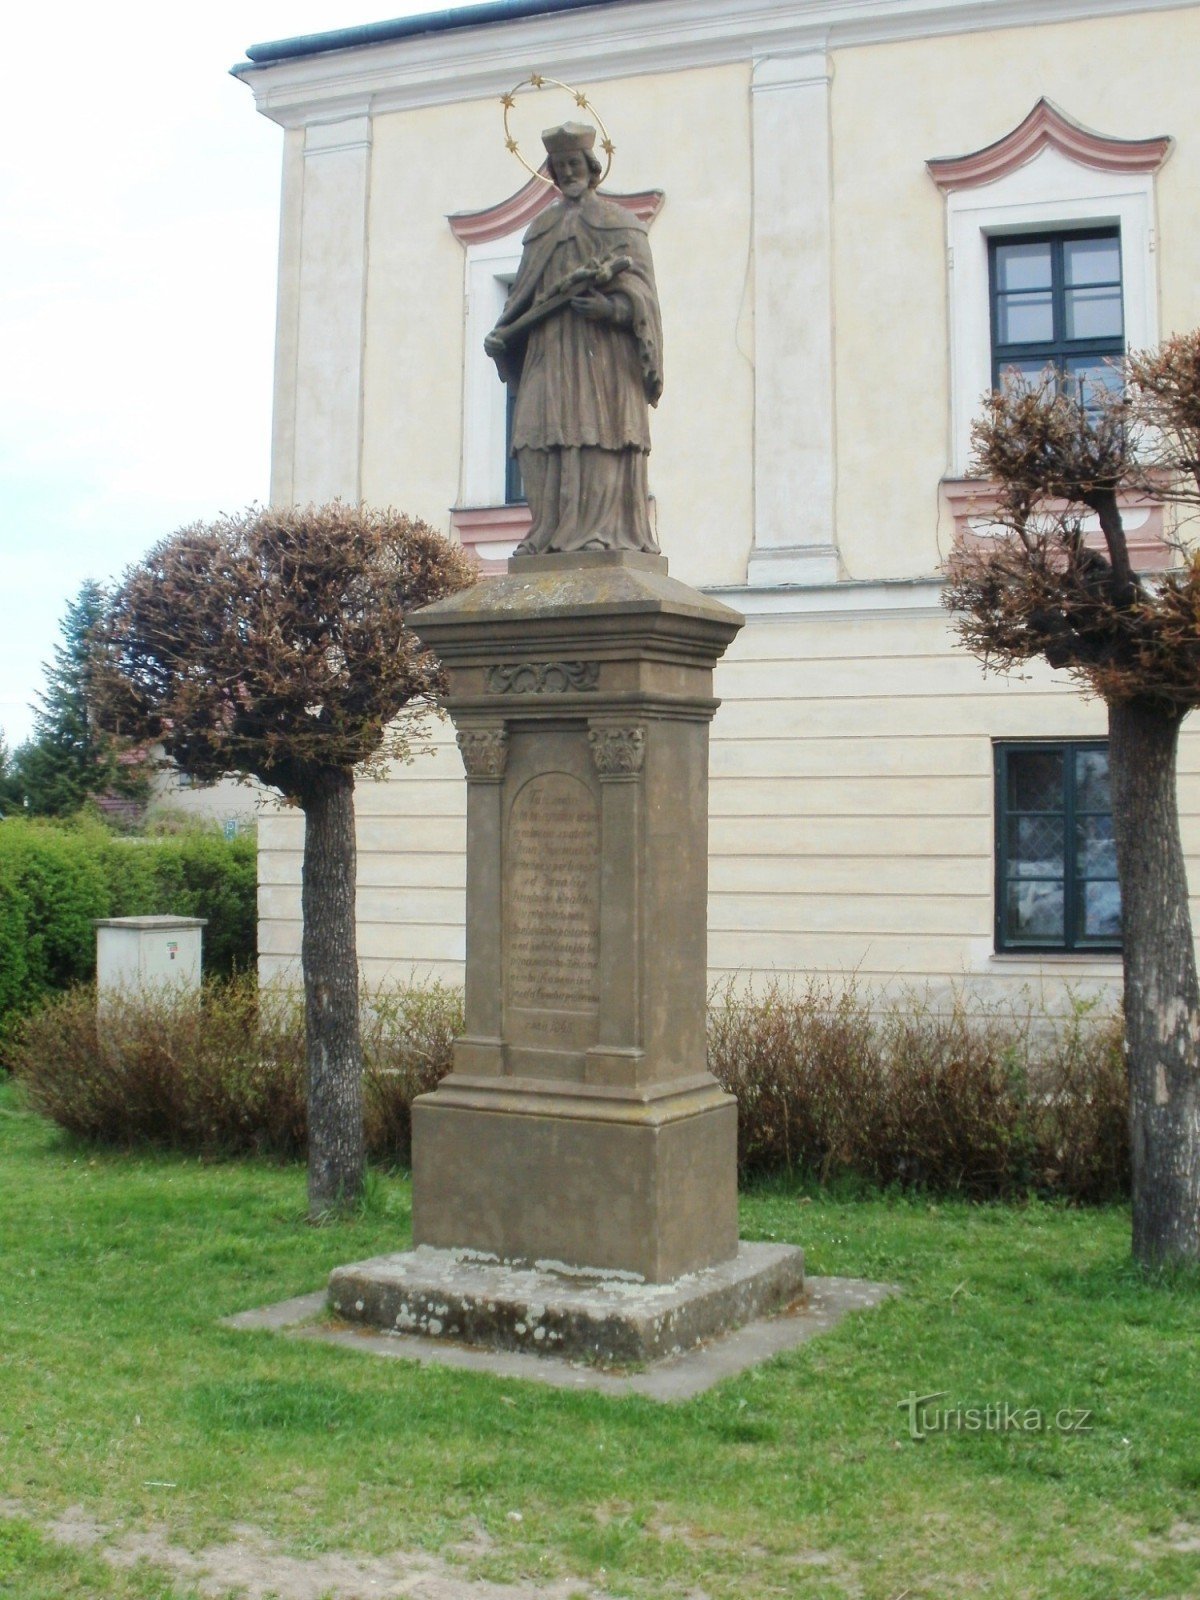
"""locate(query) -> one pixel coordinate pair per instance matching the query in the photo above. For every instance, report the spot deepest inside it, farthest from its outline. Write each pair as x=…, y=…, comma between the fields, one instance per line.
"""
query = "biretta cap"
x=570, y=136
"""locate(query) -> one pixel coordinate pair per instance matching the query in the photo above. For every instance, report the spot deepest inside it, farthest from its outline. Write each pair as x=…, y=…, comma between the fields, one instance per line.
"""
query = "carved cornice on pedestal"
x=519, y=210
x=484, y=753
x=1047, y=125
x=618, y=752
x=543, y=677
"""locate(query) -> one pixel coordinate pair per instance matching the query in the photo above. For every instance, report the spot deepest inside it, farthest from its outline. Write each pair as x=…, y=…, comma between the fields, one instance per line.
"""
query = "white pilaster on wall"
x=333, y=294
x=794, y=536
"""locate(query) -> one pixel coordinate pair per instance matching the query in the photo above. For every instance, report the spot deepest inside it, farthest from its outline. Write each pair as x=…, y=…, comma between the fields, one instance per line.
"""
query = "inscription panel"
x=552, y=914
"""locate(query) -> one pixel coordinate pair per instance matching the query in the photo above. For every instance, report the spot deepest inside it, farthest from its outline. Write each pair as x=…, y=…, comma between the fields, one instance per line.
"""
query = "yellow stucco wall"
x=442, y=159
x=896, y=106
x=851, y=802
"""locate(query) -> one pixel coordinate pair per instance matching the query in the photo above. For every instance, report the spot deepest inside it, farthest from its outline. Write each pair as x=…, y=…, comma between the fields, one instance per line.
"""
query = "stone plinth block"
x=580, y=1122
x=545, y=1309
x=640, y=1185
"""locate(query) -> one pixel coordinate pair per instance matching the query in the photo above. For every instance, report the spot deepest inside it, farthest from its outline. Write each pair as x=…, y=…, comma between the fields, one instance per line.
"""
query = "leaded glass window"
x=1056, y=862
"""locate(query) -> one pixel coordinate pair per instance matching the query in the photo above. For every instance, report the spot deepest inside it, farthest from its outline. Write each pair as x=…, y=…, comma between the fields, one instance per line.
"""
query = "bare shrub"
x=407, y=1038
x=221, y=1071
x=200, y=1071
x=827, y=1084
x=983, y=1105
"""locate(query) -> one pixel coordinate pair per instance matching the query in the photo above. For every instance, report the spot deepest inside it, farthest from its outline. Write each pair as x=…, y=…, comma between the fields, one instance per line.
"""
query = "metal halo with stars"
x=536, y=81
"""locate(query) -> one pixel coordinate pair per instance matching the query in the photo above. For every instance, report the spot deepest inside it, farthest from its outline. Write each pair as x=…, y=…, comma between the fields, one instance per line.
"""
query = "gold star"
x=608, y=147
x=537, y=80
x=511, y=144
x=508, y=101
x=581, y=101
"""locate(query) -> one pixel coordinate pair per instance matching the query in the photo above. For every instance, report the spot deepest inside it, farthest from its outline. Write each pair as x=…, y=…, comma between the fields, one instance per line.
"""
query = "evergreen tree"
x=11, y=796
x=68, y=759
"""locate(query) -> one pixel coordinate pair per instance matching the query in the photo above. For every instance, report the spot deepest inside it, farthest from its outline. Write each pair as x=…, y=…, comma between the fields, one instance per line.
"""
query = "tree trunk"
x=1162, y=1000
x=329, y=956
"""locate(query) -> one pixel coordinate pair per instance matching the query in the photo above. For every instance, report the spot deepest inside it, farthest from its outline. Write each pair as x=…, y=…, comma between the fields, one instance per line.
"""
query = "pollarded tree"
x=1041, y=587
x=272, y=645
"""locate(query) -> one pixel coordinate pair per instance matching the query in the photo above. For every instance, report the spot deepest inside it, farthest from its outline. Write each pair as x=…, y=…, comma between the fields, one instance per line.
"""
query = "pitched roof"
x=474, y=16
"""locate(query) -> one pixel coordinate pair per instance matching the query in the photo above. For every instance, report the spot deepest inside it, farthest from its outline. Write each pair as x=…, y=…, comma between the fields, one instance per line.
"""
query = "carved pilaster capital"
x=484, y=753
x=618, y=752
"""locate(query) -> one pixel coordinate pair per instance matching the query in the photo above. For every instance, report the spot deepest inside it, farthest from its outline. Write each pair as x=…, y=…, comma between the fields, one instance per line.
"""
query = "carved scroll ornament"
x=543, y=677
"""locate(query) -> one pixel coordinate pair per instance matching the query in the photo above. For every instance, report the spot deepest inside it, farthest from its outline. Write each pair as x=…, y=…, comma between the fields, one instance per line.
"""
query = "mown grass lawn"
x=799, y=1479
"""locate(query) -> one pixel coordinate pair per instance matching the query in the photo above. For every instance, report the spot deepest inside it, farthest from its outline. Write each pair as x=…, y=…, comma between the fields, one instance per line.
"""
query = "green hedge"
x=56, y=878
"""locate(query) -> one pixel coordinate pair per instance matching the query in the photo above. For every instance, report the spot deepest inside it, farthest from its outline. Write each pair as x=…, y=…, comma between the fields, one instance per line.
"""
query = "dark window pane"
x=1101, y=911
x=1035, y=847
x=1091, y=261
x=1092, y=791
x=1094, y=314
x=1095, y=851
x=1035, y=780
x=1025, y=318
x=514, y=489
x=1089, y=378
x=1022, y=374
x=1023, y=266
x=1034, y=911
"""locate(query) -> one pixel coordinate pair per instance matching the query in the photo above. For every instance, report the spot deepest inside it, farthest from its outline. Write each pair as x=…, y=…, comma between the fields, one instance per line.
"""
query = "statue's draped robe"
x=581, y=430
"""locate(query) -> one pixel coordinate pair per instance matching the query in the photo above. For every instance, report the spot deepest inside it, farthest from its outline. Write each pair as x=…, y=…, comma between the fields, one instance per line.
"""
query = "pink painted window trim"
x=1047, y=125
x=971, y=500
x=483, y=525
x=519, y=210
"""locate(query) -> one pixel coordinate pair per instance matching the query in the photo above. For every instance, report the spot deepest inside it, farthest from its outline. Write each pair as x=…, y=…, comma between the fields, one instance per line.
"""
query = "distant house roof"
x=477, y=16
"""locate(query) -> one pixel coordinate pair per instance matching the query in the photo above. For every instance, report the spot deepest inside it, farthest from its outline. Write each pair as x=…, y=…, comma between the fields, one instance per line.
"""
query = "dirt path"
x=251, y=1565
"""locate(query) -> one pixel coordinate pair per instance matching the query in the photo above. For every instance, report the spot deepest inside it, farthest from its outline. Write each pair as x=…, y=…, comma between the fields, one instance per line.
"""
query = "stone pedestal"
x=575, y=1176
x=580, y=1123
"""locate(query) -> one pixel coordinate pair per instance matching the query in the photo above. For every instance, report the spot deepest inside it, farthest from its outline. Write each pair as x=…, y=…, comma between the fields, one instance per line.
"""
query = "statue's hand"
x=595, y=307
x=493, y=343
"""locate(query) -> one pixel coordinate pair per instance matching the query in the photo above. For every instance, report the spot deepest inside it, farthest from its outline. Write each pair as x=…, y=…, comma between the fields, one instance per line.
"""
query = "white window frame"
x=490, y=270
x=1047, y=194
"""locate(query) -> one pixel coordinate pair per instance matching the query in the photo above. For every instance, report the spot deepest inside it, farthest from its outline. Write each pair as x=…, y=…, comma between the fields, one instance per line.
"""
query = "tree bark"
x=329, y=956
x=1162, y=1000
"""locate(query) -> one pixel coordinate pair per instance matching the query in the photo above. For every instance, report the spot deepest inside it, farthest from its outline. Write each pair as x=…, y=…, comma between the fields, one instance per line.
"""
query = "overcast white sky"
x=139, y=198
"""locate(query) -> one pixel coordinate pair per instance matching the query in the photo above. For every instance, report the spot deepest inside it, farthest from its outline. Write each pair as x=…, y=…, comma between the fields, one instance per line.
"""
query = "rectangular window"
x=1056, y=863
x=1056, y=300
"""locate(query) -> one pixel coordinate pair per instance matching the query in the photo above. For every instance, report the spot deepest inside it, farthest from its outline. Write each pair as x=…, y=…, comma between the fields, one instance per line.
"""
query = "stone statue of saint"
x=581, y=339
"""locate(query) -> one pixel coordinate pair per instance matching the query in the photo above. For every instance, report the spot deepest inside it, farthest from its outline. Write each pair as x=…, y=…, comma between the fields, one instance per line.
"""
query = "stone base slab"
x=610, y=1318
x=679, y=1378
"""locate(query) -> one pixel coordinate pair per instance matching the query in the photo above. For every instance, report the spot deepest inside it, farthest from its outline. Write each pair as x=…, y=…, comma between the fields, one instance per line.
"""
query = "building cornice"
x=619, y=40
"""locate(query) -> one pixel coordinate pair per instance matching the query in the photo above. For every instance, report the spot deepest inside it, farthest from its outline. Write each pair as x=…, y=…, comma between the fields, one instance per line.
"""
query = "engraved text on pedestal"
x=553, y=896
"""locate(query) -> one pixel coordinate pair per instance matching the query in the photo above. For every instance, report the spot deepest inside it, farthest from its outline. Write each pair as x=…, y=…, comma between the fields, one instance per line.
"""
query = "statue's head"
x=573, y=163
